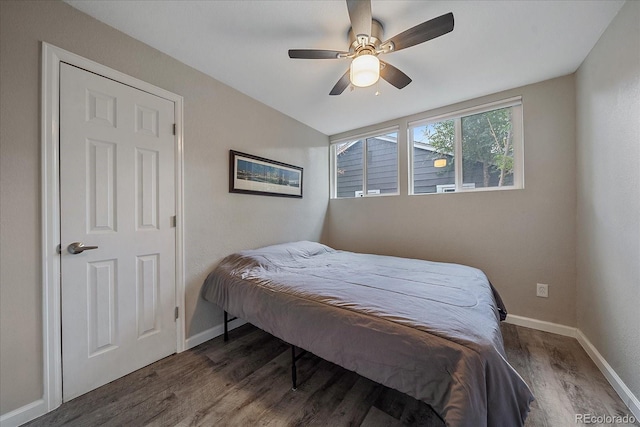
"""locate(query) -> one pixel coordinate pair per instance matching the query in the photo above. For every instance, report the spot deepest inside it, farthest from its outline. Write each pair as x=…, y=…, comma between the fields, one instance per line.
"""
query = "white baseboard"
x=616, y=382
x=23, y=414
x=541, y=325
x=210, y=333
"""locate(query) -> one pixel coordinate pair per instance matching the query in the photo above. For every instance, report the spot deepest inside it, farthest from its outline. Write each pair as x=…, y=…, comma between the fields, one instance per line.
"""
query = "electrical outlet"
x=542, y=290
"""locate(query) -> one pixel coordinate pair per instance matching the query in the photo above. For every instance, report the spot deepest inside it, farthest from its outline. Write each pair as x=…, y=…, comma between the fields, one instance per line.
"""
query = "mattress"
x=428, y=329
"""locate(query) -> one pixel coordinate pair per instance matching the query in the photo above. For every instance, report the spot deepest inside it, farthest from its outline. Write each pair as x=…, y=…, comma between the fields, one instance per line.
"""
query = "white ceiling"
x=495, y=45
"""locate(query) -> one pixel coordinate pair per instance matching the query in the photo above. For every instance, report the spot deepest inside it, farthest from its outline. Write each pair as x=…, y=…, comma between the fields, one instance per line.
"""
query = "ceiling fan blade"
x=360, y=16
x=394, y=76
x=342, y=84
x=421, y=33
x=314, y=54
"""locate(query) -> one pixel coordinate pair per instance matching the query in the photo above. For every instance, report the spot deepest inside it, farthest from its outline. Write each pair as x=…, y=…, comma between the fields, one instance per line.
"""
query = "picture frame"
x=249, y=174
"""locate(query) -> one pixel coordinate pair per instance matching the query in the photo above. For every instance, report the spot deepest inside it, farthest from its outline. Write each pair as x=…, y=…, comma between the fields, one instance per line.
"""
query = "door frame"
x=52, y=56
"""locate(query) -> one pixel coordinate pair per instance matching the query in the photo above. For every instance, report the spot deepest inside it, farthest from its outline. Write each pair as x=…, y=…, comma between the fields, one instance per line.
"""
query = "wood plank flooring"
x=246, y=382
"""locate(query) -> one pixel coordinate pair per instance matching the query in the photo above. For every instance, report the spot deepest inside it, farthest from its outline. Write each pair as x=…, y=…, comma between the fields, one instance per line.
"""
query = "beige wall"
x=518, y=237
x=608, y=167
x=217, y=118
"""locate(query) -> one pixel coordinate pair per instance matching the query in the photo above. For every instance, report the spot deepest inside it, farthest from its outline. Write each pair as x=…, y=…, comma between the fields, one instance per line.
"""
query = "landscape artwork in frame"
x=256, y=175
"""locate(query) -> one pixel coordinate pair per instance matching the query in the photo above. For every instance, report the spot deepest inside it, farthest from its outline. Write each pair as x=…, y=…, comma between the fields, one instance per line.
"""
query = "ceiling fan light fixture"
x=365, y=44
x=365, y=70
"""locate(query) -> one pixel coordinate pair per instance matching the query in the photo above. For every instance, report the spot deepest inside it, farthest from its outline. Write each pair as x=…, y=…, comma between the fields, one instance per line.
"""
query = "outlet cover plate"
x=542, y=290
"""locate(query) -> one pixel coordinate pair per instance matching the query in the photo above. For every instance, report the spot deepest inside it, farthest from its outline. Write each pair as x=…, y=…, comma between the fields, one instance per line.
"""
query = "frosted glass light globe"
x=365, y=70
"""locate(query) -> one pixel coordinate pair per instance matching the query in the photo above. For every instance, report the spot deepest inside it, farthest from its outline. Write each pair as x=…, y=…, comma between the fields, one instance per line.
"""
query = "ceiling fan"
x=365, y=38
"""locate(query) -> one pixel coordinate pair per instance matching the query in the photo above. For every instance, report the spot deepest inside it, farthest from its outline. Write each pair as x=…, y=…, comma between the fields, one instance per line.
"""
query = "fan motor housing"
x=377, y=30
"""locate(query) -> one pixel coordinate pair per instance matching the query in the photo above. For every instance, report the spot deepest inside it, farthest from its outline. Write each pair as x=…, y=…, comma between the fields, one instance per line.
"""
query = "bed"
x=430, y=330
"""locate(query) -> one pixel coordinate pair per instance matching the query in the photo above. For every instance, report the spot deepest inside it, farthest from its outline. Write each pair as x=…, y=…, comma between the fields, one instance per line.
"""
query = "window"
x=433, y=157
x=465, y=151
x=369, y=163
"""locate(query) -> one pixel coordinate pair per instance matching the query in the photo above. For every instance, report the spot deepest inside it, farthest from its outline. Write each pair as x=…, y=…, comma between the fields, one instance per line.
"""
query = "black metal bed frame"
x=294, y=357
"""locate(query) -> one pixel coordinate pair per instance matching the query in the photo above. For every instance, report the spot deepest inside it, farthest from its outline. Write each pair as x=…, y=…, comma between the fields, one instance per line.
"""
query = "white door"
x=117, y=193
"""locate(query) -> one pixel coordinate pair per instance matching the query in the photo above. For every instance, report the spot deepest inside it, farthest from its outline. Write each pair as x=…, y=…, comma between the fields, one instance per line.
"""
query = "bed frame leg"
x=294, y=359
x=294, y=376
x=226, y=326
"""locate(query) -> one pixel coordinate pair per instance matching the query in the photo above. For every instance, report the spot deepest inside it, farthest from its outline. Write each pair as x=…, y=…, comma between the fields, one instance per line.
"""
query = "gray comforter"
x=430, y=330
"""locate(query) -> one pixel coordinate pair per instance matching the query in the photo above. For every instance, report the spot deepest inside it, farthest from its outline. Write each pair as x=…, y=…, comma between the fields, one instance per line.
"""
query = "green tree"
x=486, y=139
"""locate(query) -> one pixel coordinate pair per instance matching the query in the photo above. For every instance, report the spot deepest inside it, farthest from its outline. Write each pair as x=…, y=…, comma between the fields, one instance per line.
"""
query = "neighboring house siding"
x=426, y=176
x=477, y=176
x=382, y=167
x=349, y=171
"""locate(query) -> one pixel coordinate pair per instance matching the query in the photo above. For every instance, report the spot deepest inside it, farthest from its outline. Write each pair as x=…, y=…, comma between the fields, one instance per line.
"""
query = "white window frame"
x=364, y=137
x=518, y=145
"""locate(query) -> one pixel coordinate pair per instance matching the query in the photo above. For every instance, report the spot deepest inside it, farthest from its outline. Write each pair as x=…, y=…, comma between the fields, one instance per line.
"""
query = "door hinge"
x=176, y=313
x=174, y=128
x=172, y=221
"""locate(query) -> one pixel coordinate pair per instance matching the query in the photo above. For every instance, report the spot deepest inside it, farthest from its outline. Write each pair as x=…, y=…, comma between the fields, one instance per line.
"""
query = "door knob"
x=78, y=248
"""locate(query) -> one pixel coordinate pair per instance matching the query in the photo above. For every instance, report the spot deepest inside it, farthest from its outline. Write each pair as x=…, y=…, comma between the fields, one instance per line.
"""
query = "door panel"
x=117, y=192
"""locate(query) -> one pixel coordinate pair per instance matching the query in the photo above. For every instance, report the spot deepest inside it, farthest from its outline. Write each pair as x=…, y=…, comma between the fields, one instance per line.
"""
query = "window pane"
x=433, y=166
x=487, y=149
x=382, y=164
x=349, y=168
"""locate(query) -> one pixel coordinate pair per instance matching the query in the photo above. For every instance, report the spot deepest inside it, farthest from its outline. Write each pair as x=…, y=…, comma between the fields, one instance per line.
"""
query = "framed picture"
x=256, y=175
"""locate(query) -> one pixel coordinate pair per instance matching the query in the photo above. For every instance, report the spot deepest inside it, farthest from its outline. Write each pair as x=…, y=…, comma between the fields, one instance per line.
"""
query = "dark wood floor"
x=246, y=382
